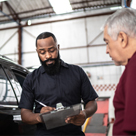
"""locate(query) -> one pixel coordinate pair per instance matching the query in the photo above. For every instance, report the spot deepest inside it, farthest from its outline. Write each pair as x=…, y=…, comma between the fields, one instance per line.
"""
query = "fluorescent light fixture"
x=61, y=6
x=133, y=4
x=115, y=8
x=2, y=0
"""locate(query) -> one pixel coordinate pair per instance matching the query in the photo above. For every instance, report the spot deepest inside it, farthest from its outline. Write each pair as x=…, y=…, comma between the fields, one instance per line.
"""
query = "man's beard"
x=51, y=69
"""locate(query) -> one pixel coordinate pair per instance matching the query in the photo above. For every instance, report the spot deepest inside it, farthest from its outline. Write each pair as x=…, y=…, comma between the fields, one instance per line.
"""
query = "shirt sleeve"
x=130, y=99
x=27, y=97
x=87, y=91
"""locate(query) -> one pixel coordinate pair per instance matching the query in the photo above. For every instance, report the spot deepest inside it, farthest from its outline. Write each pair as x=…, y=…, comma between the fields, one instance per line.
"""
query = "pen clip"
x=59, y=106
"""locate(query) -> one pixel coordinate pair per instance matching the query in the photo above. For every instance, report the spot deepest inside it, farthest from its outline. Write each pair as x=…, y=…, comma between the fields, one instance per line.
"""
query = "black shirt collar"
x=62, y=63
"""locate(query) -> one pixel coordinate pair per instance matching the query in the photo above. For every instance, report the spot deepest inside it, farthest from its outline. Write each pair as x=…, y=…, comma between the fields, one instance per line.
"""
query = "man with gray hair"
x=120, y=38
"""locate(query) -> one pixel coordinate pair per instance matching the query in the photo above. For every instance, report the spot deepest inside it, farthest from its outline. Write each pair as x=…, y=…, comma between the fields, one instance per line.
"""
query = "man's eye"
x=52, y=50
x=42, y=52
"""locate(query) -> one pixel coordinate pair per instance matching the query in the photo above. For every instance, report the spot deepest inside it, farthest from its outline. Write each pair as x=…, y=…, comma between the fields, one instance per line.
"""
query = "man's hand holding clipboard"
x=60, y=116
x=77, y=120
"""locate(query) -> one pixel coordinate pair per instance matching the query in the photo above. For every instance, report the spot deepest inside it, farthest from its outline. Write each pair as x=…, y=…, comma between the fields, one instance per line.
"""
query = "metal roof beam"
x=29, y=17
x=96, y=1
x=35, y=10
x=13, y=13
x=29, y=12
x=84, y=2
x=92, y=6
x=71, y=18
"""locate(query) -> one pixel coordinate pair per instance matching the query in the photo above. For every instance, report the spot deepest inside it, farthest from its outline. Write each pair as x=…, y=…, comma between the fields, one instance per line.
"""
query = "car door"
x=19, y=77
x=8, y=103
x=10, y=92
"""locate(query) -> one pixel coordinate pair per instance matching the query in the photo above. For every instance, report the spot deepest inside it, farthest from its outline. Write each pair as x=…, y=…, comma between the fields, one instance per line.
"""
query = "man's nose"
x=48, y=55
x=107, y=50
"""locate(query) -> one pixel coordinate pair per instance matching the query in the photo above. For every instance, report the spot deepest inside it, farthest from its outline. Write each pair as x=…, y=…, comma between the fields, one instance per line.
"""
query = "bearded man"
x=53, y=82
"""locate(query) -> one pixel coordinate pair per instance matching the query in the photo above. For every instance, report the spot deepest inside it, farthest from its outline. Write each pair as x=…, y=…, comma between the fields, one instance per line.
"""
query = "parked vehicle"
x=12, y=76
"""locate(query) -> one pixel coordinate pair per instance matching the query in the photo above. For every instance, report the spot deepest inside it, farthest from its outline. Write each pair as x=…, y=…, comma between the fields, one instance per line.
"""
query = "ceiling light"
x=133, y=4
x=2, y=0
x=61, y=6
x=29, y=22
x=115, y=8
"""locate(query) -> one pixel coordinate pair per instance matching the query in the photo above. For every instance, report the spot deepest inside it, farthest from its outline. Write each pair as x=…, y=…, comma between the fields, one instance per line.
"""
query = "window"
x=7, y=95
x=19, y=79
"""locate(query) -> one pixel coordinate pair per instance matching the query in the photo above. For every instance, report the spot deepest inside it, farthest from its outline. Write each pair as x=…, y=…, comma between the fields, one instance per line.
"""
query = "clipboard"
x=57, y=117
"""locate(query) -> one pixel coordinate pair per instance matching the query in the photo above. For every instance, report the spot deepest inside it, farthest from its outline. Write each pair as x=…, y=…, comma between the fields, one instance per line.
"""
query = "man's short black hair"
x=45, y=35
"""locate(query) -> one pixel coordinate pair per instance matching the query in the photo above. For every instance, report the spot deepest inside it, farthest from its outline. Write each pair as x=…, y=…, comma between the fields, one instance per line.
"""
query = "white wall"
x=72, y=33
x=104, y=79
x=9, y=45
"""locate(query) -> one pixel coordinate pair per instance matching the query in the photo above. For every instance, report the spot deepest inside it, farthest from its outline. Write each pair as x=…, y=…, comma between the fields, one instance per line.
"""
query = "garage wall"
x=8, y=43
x=73, y=37
x=81, y=42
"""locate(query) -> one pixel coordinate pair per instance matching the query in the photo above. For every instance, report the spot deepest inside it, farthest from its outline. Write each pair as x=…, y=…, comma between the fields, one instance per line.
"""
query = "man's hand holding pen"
x=47, y=109
x=44, y=110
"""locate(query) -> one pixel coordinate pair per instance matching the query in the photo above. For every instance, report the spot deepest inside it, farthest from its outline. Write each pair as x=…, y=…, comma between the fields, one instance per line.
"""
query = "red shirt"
x=125, y=101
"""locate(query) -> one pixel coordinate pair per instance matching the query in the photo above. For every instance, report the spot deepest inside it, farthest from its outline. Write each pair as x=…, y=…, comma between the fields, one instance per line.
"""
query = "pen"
x=41, y=103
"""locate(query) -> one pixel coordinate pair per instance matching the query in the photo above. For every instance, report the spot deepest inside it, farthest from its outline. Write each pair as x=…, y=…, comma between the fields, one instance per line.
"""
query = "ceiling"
x=19, y=10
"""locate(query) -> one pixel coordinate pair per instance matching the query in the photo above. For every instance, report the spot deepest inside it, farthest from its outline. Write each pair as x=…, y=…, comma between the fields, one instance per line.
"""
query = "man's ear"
x=58, y=46
x=123, y=39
